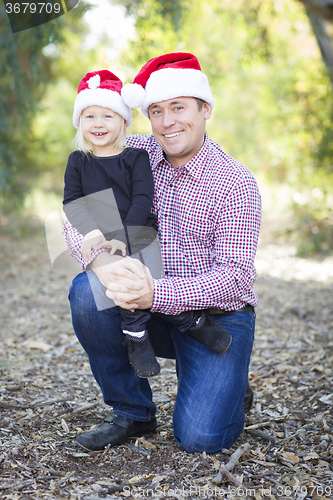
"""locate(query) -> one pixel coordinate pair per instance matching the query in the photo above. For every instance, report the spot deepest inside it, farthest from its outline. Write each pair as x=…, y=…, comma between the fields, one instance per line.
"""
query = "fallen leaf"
x=135, y=479
x=147, y=444
x=64, y=426
x=36, y=344
x=311, y=456
x=291, y=456
x=326, y=399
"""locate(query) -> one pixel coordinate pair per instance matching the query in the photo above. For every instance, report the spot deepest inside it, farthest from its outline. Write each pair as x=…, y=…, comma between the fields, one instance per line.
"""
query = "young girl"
x=108, y=197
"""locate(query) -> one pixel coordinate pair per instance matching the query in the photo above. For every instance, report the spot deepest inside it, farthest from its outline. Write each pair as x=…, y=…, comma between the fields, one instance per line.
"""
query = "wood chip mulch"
x=48, y=395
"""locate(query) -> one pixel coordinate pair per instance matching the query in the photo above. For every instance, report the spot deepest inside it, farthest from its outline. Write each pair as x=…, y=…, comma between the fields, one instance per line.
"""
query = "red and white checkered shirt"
x=209, y=214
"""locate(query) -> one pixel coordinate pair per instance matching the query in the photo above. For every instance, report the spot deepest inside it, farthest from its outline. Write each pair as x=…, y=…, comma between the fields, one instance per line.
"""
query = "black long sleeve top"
x=109, y=193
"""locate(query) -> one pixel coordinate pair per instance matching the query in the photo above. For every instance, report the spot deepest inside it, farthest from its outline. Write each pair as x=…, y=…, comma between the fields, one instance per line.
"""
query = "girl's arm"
x=74, y=202
x=142, y=195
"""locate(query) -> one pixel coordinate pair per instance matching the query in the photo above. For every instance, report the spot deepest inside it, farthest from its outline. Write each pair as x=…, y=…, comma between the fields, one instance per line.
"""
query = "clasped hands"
x=131, y=285
x=128, y=282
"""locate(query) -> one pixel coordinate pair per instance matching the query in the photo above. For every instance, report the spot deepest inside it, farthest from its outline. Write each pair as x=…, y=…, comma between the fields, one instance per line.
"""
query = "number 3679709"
x=32, y=8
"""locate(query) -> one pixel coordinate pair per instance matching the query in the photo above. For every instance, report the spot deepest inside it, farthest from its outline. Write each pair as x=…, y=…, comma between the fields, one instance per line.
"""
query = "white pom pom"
x=133, y=95
x=94, y=82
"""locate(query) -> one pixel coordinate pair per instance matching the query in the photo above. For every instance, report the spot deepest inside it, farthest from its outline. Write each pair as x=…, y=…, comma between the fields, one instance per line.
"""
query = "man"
x=208, y=209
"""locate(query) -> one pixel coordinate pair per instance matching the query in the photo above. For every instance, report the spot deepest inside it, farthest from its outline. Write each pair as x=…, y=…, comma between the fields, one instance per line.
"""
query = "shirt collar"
x=195, y=166
x=198, y=163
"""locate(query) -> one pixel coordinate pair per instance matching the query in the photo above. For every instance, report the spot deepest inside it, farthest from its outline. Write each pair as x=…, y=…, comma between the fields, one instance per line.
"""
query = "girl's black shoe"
x=142, y=357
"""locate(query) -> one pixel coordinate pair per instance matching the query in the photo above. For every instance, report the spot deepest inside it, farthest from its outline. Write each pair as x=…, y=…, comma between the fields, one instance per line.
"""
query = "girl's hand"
x=91, y=241
x=113, y=245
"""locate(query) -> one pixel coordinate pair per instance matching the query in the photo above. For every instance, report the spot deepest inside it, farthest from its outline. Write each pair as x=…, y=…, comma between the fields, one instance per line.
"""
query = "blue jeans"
x=209, y=412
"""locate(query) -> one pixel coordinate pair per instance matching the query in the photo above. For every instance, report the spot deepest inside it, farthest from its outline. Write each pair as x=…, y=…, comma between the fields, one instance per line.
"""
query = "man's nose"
x=168, y=118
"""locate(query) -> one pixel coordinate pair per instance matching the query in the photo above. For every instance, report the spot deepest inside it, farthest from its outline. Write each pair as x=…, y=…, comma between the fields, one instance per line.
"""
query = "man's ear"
x=207, y=110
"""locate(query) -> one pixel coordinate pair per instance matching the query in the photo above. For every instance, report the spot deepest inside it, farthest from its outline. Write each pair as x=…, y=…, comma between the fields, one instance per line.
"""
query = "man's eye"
x=177, y=108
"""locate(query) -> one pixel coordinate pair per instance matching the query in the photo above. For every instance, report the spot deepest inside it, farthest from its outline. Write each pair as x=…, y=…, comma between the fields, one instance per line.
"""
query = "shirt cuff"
x=165, y=298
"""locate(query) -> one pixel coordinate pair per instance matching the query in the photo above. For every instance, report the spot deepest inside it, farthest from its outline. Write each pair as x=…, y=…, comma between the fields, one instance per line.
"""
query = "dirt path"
x=48, y=394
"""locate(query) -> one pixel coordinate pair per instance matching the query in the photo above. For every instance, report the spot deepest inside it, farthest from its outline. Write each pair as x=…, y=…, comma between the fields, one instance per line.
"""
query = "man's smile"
x=174, y=134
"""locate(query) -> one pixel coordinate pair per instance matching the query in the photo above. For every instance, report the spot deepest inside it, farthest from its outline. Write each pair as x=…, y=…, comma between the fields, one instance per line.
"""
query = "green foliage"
x=25, y=74
x=273, y=100
x=171, y=11
x=312, y=228
x=52, y=130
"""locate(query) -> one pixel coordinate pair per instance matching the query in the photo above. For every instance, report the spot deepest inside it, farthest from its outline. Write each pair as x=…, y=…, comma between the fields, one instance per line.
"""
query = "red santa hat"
x=101, y=88
x=165, y=77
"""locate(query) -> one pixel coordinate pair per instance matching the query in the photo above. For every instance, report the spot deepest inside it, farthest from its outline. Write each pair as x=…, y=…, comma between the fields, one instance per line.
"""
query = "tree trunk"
x=324, y=40
x=323, y=8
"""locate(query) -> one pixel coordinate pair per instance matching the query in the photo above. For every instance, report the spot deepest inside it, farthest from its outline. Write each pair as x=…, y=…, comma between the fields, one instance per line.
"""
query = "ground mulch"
x=48, y=395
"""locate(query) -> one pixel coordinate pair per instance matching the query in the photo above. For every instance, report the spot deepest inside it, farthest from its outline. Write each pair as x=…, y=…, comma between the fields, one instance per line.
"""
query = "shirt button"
x=165, y=242
x=166, y=272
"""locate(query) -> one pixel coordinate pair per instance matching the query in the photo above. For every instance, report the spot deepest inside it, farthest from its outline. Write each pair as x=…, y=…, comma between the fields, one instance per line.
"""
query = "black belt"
x=246, y=308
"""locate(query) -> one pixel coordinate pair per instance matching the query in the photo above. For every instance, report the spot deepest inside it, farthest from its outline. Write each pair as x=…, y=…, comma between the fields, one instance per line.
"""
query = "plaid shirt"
x=209, y=214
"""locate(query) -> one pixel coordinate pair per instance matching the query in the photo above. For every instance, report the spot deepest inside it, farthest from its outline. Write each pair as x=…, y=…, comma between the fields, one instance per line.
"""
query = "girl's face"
x=101, y=127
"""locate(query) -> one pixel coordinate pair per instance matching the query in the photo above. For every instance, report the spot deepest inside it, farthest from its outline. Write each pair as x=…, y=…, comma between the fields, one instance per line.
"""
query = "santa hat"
x=101, y=88
x=165, y=77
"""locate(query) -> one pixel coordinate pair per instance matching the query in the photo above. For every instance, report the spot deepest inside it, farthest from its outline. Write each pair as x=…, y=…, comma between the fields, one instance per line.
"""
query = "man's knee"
x=79, y=292
x=196, y=437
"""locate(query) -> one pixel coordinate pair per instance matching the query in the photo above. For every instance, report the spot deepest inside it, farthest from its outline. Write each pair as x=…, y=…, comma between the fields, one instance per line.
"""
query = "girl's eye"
x=89, y=116
x=108, y=116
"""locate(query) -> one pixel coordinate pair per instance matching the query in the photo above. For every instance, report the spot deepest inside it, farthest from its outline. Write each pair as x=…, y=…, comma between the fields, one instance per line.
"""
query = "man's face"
x=179, y=126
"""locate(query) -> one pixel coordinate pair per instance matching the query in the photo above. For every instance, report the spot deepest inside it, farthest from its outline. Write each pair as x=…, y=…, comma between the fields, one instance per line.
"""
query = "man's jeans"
x=209, y=412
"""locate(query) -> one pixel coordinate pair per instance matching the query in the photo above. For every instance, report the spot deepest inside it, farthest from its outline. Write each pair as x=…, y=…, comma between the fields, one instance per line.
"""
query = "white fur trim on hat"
x=100, y=97
x=168, y=83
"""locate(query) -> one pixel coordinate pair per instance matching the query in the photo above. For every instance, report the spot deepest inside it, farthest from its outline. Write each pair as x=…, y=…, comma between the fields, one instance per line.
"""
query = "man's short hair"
x=200, y=103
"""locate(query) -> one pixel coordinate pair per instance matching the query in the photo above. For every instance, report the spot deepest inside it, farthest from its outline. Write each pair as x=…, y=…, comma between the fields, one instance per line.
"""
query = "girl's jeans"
x=209, y=411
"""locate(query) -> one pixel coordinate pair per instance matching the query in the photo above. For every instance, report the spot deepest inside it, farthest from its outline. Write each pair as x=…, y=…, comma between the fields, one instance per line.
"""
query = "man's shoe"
x=210, y=333
x=114, y=430
x=142, y=357
x=248, y=399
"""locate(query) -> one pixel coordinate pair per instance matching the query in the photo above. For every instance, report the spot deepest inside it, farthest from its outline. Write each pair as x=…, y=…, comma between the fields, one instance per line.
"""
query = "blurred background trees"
x=274, y=99
x=26, y=74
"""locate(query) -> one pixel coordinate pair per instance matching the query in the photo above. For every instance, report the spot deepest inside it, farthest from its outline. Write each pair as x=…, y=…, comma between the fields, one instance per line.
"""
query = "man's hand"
x=102, y=264
x=131, y=285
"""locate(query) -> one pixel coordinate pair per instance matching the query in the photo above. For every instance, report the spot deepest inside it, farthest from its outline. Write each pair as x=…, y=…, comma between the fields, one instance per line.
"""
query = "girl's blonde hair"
x=81, y=143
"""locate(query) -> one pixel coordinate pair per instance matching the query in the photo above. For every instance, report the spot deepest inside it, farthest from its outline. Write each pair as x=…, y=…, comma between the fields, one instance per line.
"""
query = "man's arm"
x=229, y=283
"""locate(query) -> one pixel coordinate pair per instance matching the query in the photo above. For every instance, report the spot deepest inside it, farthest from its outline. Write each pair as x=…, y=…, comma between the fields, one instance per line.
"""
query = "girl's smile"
x=100, y=127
